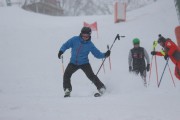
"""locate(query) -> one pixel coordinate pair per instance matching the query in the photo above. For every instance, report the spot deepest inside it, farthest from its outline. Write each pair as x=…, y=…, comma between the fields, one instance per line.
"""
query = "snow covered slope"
x=31, y=73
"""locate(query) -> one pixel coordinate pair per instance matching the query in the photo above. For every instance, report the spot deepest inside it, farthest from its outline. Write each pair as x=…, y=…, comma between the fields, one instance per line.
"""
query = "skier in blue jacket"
x=81, y=46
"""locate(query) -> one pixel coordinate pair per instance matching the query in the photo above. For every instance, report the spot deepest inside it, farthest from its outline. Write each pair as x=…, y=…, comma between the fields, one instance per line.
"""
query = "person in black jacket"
x=136, y=59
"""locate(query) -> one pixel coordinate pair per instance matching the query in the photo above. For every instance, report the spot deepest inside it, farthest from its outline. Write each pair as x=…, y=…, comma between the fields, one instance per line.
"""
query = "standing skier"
x=81, y=46
x=136, y=60
x=171, y=50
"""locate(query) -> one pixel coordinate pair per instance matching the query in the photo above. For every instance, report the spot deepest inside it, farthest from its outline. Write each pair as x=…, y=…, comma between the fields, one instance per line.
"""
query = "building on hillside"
x=49, y=7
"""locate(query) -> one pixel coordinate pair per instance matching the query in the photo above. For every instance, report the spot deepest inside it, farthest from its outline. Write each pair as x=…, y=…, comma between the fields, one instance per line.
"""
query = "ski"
x=97, y=95
x=101, y=92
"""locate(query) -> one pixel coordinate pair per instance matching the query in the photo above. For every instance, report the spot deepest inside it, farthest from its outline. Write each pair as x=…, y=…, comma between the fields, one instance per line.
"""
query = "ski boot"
x=67, y=93
x=145, y=84
x=102, y=90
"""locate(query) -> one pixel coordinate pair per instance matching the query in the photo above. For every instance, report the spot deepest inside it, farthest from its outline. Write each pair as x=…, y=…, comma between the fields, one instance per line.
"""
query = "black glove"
x=130, y=69
x=107, y=54
x=59, y=54
x=166, y=56
x=148, y=67
x=153, y=53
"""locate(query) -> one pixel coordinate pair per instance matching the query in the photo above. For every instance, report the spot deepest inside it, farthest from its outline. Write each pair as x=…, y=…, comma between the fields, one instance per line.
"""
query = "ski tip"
x=97, y=95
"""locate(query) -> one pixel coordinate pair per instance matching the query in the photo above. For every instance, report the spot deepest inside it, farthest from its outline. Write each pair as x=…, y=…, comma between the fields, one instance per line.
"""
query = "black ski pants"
x=142, y=71
x=86, y=68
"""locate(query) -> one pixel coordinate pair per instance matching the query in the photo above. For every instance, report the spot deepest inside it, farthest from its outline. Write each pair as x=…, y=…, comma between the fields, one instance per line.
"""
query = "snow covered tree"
x=177, y=4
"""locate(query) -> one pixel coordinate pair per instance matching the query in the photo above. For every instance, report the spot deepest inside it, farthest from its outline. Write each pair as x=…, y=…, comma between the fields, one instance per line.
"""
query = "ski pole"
x=151, y=63
x=156, y=70
x=155, y=44
x=154, y=49
x=171, y=76
x=62, y=63
x=104, y=68
x=117, y=37
x=163, y=72
x=150, y=69
x=109, y=58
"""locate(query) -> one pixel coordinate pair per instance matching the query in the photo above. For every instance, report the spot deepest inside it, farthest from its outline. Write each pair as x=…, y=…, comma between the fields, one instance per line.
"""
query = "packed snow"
x=31, y=74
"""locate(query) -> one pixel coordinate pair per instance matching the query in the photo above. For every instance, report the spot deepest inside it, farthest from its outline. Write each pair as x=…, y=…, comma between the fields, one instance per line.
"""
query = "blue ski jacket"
x=80, y=50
